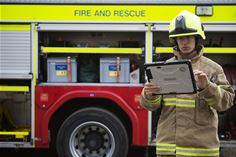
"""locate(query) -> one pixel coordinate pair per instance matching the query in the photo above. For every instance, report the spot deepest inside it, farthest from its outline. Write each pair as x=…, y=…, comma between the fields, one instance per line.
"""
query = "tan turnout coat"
x=188, y=123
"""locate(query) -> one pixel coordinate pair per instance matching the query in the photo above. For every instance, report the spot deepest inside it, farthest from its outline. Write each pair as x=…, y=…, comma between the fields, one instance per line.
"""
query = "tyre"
x=92, y=132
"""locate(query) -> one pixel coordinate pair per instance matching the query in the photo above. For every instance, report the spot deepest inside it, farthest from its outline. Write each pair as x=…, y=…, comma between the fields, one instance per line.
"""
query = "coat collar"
x=194, y=56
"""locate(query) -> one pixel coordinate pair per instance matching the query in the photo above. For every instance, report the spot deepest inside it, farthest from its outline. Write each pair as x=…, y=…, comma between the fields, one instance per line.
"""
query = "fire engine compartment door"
x=15, y=54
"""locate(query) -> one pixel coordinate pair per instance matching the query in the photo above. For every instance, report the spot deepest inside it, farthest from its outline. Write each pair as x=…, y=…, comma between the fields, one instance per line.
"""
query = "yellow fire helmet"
x=185, y=24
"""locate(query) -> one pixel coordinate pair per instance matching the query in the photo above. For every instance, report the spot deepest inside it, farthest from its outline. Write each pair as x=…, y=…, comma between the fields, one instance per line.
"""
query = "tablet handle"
x=149, y=74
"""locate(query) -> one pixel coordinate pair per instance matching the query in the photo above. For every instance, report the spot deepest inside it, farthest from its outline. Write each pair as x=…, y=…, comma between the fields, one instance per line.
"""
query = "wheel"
x=92, y=132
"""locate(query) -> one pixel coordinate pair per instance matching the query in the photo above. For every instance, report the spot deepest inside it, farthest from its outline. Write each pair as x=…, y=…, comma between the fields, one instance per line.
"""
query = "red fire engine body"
x=72, y=71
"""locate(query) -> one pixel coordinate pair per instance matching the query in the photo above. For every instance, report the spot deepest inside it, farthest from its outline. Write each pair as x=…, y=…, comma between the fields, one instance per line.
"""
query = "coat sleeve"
x=218, y=94
x=151, y=103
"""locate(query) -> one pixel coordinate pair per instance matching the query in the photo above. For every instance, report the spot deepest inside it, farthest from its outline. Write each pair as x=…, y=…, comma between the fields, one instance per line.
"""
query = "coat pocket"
x=202, y=112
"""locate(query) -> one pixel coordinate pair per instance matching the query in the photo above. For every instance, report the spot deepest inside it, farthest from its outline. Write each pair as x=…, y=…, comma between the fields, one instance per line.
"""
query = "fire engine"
x=71, y=71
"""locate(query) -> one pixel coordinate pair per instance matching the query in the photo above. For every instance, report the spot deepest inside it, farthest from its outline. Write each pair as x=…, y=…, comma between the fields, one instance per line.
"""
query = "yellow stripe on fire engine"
x=164, y=49
x=228, y=50
x=14, y=88
x=14, y=27
x=220, y=50
x=95, y=13
x=17, y=134
x=91, y=50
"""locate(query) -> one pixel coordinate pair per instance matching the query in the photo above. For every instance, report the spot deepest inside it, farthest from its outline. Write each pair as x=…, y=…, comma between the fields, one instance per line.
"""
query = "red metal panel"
x=50, y=98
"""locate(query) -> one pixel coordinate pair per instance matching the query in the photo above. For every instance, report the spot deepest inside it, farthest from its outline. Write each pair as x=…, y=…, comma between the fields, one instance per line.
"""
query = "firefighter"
x=188, y=123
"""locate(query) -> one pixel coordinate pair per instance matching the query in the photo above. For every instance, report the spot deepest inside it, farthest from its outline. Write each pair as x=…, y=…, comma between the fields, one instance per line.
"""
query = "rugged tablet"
x=174, y=77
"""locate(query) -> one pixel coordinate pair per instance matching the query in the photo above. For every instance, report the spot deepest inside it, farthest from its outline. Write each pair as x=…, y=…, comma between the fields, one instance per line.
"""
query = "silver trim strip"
x=93, y=84
x=14, y=76
x=207, y=2
x=208, y=26
x=92, y=27
x=32, y=84
x=16, y=145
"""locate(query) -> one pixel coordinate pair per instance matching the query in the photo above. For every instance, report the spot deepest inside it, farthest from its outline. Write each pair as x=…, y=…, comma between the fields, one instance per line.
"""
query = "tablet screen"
x=174, y=77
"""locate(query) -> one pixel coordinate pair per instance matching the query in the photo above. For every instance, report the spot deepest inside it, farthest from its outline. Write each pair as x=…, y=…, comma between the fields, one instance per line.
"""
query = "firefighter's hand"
x=201, y=78
x=150, y=89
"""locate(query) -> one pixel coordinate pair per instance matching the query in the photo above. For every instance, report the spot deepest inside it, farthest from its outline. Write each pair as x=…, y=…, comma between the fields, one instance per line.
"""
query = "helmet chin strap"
x=196, y=42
